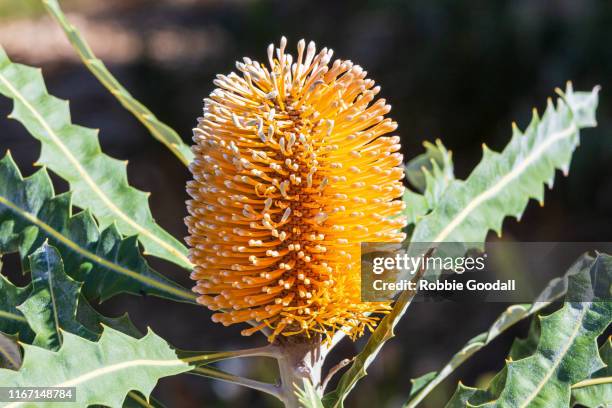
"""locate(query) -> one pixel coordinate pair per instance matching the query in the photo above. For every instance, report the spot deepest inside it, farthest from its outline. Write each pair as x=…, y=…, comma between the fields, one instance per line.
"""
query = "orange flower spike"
x=293, y=170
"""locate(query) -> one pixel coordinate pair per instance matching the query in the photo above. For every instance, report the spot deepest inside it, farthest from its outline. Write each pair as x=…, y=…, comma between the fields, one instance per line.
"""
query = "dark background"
x=459, y=71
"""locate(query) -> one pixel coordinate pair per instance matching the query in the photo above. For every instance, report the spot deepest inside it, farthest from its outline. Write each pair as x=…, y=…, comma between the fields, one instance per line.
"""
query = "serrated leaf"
x=596, y=392
x=308, y=397
x=55, y=303
x=86, y=317
x=52, y=303
x=461, y=396
x=98, y=182
x=522, y=348
x=12, y=320
x=30, y=213
x=136, y=400
x=503, y=183
x=366, y=356
x=50, y=307
x=435, y=156
x=431, y=173
x=416, y=206
x=102, y=372
x=94, y=320
x=464, y=395
x=159, y=130
x=555, y=289
x=417, y=384
x=519, y=171
x=567, y=349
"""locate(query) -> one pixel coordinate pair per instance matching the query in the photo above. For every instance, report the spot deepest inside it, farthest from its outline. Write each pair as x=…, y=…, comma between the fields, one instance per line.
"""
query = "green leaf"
x=567, y=349
x=136, y=400
x=555, y=289
x=104, y=261
x=522, y=348
x=366, y=356
x=461, y=396
x=12, y=320
x=99, y=182
x=502, y=183
x=159, y=130
x=416, y=206
x=308, y=396
x=55, y=303
x=52, y=303
x=431, y=173
x=103, y=372
x=436, y=156
x=50, y=316
x=596, y=392
x=464, y=395
x=94, y=320
x=420, y=382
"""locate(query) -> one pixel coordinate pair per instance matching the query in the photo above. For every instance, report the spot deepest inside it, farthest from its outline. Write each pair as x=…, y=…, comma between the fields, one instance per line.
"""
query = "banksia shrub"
x=294, y=168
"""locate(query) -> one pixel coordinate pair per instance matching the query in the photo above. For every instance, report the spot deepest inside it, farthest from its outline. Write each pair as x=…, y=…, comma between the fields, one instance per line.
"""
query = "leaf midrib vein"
x=89, y=255
x=99, y=372
x=12, y=316
x=52, y=294
x=558, y=358
x=86, y=176
x=7, y=355
x=172, y=140
x=508, y=178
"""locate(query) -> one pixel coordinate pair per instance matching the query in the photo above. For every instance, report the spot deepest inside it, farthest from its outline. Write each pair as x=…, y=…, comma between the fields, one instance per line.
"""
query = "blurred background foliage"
x=460, y=71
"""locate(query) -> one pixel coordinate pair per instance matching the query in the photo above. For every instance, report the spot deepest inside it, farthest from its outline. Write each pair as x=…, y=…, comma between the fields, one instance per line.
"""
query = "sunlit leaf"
x=98, y=181
x=30, y=213
x=366, y=356
x=503, y=183
x=12, y=320
x=437, y=161
x=103, y=372
x=159, y=130
x=567, y=348
x=55, y=302
x=308, y=396
x=597, y=390
x=512, y=315
x=500, y=185
x=431, y=173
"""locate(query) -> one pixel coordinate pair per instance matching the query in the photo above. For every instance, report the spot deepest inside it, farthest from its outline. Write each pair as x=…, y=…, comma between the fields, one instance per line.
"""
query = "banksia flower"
x=292, y=171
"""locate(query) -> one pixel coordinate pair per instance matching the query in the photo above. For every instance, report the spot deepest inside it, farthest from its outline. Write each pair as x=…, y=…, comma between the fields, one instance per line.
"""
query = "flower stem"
x=217, y=374
x=299, y=361
x=198, y=358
